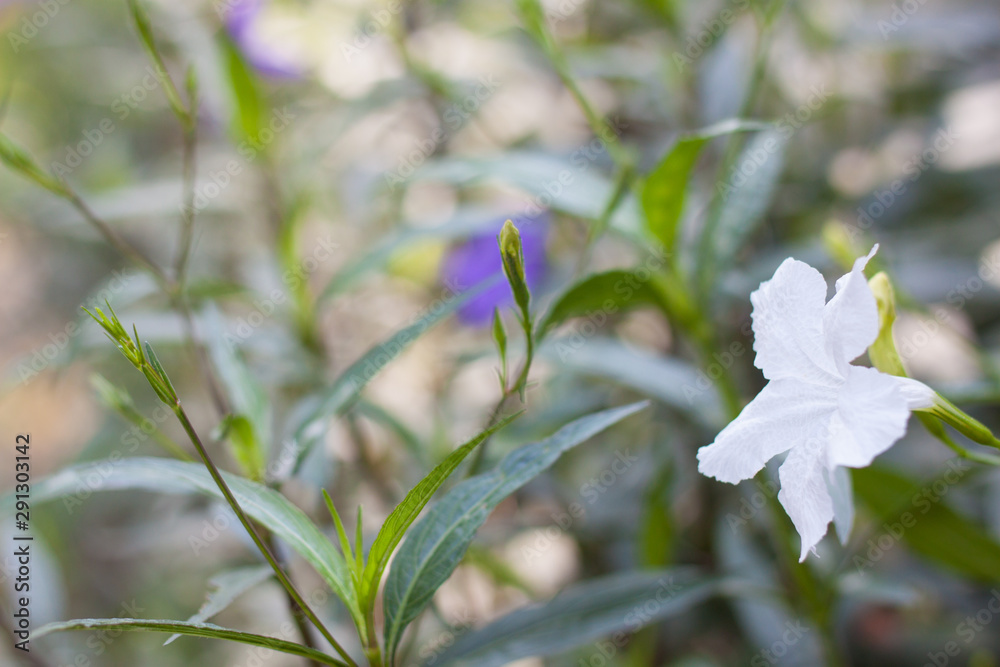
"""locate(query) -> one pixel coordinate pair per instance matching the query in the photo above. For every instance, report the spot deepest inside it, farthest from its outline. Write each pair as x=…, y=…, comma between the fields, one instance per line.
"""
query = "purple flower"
x=242, y=19
x=478, y=259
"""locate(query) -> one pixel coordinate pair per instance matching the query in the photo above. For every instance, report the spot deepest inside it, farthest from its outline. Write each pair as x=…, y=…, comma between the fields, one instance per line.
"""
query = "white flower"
x=826, y=413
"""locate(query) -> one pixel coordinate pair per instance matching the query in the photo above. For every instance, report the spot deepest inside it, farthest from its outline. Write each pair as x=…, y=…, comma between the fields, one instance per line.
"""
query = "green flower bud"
x=883, y=352
x=513, y=265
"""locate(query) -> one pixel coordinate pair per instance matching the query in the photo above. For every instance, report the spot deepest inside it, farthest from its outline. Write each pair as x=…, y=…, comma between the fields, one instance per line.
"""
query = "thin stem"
x=200, y=354
x=297, y=614
x=116, y=240
x=517, y=388
x=248, y=526
x=187, y=210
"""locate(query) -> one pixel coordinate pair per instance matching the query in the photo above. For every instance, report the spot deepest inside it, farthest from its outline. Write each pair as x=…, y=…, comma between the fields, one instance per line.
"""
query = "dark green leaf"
x=926, y=523
x=663, y=193
x=611, y=606
x=605, y=293
x=406, y=512
x=435, y=545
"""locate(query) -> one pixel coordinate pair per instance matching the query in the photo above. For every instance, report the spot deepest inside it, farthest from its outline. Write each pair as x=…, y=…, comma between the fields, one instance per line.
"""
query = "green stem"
x=248, y=526
x=187, y=207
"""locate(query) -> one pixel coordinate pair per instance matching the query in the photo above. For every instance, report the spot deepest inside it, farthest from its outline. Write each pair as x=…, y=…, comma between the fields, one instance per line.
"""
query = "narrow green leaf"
x=500, y=339
x=606, y=293
x=17, y=159
x=246, y=448
x=345, y=544
x=192, y=629
x=744, y=199
x=250, y=110
x=622, y=603
x=347, y=387
x=926, y=522
x=145, y=30
x=261, y=503
x=665, y=188
x=406, y=512
x=664, y=191
x=435, y=545
x=224, y=589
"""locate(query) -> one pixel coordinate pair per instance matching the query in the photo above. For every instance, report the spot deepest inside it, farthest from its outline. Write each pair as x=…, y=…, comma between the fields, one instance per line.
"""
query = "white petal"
x=784, y=414
x=918, y=395
x=788, y=324
x=804, y=493
x=850, y=320
x=838, y=483
x=871, y=416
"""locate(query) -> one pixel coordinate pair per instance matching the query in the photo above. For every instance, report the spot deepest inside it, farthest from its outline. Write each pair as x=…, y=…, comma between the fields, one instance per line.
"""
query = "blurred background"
x=352, y=157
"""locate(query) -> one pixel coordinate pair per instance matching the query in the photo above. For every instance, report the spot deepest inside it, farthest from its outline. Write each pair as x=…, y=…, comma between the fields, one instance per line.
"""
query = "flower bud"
x=513, y=265
x=883, y=352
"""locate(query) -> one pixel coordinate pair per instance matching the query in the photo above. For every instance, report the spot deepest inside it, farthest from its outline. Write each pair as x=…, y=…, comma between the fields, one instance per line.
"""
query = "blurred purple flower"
x=478, y=258
x=242, y=19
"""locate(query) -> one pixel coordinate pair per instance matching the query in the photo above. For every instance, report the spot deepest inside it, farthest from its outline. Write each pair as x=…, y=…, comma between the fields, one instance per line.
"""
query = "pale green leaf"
x=225, y=588
x=266, y=506
x=192, y=629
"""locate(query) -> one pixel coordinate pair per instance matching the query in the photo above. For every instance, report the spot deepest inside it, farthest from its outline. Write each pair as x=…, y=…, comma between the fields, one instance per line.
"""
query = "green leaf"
x=250, y=110
x=406, y=512
x=250, y=424
x=744, y=199
x=435, y=545
x=17, y=159
x=225, y=588
x=663, y=193
x=191, y=629
x=268, y=507
x=340, y=395
x=145, y=30
x=621, y=603
x=500, y=339
x=927, y=524
x=246, y=448
x=608, y=293
x=676, y=383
